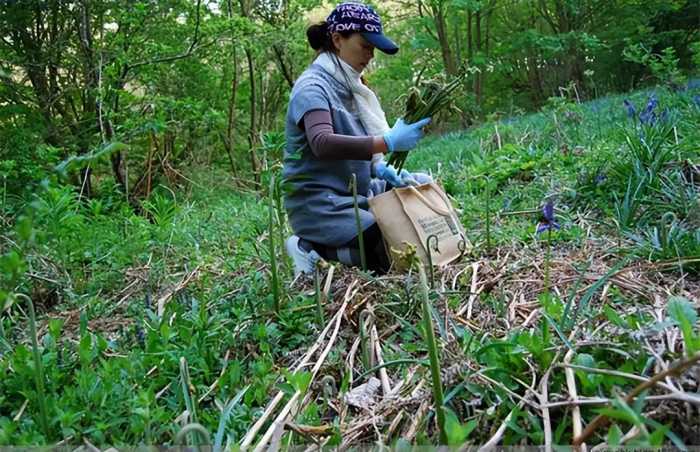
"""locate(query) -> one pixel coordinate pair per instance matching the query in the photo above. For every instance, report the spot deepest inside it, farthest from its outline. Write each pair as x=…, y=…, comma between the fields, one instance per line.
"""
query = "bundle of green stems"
x=425, y=104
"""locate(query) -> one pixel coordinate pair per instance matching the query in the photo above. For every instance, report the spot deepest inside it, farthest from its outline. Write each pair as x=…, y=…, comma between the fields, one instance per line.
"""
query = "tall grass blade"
x=320, y=318
x=225, y=414
x=190, y=406
x=358, y=222
x=433, y=355
x=39, y=374
x=274, y=276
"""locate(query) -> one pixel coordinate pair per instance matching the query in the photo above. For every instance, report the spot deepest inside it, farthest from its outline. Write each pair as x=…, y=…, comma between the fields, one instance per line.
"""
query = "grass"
x=117, y=373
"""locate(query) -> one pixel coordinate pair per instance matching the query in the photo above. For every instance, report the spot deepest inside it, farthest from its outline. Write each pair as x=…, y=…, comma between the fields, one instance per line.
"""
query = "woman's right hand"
x=404, y=137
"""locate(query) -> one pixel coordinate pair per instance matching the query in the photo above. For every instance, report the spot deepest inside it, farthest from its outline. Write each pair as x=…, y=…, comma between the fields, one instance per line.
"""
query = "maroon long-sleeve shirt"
x=327, y=145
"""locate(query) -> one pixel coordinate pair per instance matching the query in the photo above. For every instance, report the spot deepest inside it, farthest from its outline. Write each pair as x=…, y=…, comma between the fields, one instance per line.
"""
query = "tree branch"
x=171, y=58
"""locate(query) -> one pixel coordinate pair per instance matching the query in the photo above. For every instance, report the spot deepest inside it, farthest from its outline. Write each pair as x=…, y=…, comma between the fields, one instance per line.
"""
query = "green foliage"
x=152, y=121
x=457, y=433
x=662, y=66
x=685, y=315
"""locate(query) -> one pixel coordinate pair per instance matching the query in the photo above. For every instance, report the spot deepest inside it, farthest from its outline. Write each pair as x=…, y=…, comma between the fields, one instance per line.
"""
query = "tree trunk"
x=231, y=123
x=458, y=43
x=252, y=131
x=470, y=45
x=478, y=76
x=441, y=26
x=284, y=69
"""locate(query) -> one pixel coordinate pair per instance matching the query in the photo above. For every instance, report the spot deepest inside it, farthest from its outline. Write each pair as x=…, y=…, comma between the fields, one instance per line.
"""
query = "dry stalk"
x=216, y=382
x=350, y=361
x=571, y=386
x=415, y=423
x=394, y=424
x=292, y=404
x=383, y=376
x=472, y=293
x=604, y=401
x=250, y=435
x=496, y=438
x=546, y=420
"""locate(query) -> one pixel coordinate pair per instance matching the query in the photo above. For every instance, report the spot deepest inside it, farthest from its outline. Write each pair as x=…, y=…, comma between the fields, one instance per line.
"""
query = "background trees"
x=197, y=81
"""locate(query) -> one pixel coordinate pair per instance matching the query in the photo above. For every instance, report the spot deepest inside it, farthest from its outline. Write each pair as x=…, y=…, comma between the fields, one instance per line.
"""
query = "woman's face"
x=354, y=50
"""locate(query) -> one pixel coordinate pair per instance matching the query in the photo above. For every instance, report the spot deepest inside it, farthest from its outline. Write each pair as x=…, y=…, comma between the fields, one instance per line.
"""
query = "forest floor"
x=151, y=324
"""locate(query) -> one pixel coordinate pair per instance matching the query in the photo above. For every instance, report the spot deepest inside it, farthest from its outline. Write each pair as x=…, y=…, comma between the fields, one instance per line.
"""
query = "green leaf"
x=24, y=228
x=79, y=161
x=456, y=432
x=614, y=436
x=300, y=381
x=614, y=317
x=85, y=350
x=683, y=313
x=681, y=310
x=668, y=433
x=657, y=437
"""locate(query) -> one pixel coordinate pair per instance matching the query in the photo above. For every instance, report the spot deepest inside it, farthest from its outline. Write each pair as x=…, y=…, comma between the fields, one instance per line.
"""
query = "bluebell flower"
x=600, y=178
x=648, y=115
x=631, y=111
x=547, y=222
x=696, y=99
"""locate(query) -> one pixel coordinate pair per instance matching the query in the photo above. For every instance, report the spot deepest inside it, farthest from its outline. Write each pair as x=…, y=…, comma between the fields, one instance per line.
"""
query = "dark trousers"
x=349, y=253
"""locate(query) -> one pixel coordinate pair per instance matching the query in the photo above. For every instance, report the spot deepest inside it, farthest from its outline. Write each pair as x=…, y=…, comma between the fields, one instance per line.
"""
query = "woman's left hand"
x=388, y=173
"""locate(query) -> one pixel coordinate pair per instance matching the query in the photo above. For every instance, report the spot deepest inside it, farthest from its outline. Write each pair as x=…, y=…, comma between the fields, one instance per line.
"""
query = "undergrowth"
x=124, y=296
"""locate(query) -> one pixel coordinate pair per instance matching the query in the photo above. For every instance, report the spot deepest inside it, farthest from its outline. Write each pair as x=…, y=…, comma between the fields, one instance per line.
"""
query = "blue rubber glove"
x=407, y=178
x=388, y=173
x=404, y=137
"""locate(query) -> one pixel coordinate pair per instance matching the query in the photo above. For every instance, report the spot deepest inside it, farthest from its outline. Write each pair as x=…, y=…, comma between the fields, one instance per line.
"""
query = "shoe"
x=304, y=261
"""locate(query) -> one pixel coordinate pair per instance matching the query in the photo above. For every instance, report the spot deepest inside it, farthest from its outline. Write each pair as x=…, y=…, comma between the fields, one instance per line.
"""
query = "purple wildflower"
x=547, y=222
x=600, y=178
x=631, y=111
x=648, y=115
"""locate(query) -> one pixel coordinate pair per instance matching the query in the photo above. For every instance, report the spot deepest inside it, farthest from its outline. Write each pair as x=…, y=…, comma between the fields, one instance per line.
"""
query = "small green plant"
x=683, y=313
x=161, y=209
x=487, y=212
x=457, y=433
x=320, y=318
x=628, y=207
x=367, y=354
x=668, y=239
x=649, y=150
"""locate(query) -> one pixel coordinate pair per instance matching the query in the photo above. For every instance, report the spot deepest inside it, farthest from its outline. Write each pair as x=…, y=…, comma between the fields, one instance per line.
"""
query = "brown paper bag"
x=410, y=215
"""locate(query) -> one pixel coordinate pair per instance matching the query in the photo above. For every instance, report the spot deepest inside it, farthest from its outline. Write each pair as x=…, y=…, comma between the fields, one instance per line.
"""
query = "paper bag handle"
x=428, y=204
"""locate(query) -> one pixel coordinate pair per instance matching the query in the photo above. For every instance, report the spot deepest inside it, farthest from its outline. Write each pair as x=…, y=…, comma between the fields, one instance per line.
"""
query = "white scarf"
x=371, y=114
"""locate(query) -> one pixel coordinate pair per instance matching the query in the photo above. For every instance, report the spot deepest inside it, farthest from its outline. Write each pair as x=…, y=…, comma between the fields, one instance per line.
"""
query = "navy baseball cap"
x=361, y=18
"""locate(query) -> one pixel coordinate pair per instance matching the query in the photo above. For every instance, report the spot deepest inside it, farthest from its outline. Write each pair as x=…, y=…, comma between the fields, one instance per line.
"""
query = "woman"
x=336, y=128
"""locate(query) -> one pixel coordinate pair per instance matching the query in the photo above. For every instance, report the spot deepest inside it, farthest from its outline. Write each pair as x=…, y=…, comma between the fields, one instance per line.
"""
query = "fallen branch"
x=601, y=419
